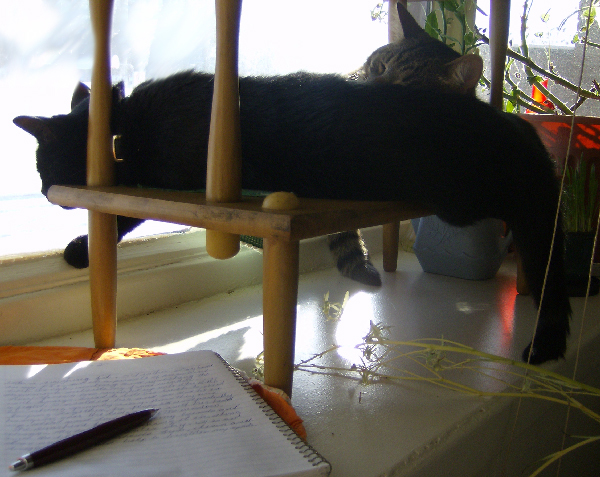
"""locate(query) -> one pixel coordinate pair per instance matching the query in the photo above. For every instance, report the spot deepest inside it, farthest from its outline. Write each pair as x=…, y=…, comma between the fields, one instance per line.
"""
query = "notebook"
x=210, y=422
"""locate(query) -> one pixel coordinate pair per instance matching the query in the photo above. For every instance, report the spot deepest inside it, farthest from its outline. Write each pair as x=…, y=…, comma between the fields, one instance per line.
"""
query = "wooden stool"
x=222, y=211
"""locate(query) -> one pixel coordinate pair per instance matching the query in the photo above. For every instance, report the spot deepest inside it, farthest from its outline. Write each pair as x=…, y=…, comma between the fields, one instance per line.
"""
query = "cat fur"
x=322, y=136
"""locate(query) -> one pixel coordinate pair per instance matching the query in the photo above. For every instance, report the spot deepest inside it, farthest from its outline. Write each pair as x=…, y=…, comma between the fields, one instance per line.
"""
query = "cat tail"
x=533, y=240
x=352, y=257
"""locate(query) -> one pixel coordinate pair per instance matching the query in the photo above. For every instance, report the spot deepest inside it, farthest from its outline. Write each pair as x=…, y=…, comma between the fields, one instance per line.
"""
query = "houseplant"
x=552, y=121
x=580, y=215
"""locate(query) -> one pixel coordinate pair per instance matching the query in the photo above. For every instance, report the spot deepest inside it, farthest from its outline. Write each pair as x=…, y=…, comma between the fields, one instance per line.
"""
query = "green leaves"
x=545, y=17
x=580, y=197
x=512, y=101
x=378, y=13
x=589, y=12
x=431, y=26
x=453, y=6
x=466, y=41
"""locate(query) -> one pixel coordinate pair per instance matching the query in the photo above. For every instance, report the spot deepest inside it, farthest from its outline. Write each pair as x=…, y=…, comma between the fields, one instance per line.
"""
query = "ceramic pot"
x=579, y=248
x=473, y=253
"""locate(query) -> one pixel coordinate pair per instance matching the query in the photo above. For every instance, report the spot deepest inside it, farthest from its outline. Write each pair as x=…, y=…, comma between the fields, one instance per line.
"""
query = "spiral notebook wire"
x=303, y=448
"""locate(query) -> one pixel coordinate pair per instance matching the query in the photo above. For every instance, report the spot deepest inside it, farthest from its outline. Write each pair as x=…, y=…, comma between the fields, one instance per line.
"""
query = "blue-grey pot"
x=473, y=253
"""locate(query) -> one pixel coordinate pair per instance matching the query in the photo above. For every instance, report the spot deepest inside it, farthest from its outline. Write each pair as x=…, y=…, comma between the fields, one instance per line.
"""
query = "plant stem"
x=530, y=76
x=534, y=106
x=444, y=23
x=491, y=357
x=557, y=102
x=595, y=45
x=557, y=455
x=535, y=67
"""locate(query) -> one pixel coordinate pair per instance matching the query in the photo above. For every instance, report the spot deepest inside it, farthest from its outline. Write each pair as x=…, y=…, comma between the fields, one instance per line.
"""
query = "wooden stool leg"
x=224, y=160
x=280, y=296
x=103, y=277
x=499, y=26
x=391, y=237
x=100, y=171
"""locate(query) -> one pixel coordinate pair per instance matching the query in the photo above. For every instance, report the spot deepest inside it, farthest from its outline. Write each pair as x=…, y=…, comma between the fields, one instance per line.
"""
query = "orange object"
x=280, y=402
x=538, y=96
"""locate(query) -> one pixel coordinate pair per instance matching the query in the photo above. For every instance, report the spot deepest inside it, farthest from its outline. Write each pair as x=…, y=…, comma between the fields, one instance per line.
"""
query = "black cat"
x=414, y=59
x=323, y=136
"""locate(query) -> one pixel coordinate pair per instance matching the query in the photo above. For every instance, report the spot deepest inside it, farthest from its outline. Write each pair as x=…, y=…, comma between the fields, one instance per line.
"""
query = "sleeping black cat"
x=414, y=59
x=322, y=136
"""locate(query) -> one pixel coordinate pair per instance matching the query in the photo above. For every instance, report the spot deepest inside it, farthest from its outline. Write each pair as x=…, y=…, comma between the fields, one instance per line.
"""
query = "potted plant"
x=550, y=116
x=580, y=216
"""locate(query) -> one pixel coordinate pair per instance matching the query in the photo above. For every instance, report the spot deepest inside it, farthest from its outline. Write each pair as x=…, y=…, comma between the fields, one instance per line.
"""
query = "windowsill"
x=42, y=296
x=394, y=428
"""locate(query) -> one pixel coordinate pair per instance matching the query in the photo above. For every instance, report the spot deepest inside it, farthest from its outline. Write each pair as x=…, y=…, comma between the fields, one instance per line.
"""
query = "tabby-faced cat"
x=418, y=60
x=323, y=136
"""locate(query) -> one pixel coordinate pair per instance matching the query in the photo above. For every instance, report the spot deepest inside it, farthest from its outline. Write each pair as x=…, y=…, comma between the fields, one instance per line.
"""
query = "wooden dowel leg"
x=499, y=25
x=224, y=167
x=280, y=295
x=394, y=28
x=391, y=238
x=100, y=171
x=103, y=277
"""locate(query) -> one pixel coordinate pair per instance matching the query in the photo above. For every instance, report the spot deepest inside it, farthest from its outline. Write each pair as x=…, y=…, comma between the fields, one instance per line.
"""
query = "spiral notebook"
x=211, y=422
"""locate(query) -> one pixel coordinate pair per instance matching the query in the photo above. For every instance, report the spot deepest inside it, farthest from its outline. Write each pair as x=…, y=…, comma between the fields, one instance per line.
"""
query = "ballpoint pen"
x=83, y=440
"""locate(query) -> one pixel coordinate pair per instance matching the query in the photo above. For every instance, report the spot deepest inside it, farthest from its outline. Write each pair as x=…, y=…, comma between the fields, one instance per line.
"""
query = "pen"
x=83, y=440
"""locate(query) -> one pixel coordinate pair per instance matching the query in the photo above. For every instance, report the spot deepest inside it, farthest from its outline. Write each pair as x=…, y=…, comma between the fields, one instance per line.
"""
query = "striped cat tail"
x=352, y=258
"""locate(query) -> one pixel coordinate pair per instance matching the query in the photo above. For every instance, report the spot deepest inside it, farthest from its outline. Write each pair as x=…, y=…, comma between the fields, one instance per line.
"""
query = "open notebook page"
x=208, y=424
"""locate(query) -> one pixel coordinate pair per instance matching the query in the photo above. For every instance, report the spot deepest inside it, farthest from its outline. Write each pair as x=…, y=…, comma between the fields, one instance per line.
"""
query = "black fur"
x=321, y=136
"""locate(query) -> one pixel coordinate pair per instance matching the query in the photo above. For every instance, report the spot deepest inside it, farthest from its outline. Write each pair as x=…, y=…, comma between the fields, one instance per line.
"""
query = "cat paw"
x=545, y=348
x=76, y=253
x=366, y=274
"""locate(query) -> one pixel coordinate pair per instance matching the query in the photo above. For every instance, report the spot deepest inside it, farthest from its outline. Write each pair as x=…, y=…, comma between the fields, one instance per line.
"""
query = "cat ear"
x=35, y=126
x=119, y=91
x=408, y=26
x=464, y=72
x=81, y=92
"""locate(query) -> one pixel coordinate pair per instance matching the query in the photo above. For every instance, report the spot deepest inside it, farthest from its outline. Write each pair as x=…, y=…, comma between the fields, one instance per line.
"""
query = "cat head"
x=62, y=140
x=418, y=60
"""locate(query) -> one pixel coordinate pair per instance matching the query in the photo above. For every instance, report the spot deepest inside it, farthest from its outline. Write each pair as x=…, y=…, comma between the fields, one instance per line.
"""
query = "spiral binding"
x=307, y=451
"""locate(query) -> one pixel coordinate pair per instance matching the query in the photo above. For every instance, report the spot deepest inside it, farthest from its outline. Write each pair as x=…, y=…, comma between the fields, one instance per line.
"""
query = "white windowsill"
x=41, y=296
x=401, y=428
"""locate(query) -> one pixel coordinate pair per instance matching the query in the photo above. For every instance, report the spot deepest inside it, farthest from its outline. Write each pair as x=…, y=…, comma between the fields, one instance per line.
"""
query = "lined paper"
x=208, y=424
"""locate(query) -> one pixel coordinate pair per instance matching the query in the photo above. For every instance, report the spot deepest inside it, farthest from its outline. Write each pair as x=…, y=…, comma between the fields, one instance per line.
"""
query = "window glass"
x=552, y=26
x=46, y=48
